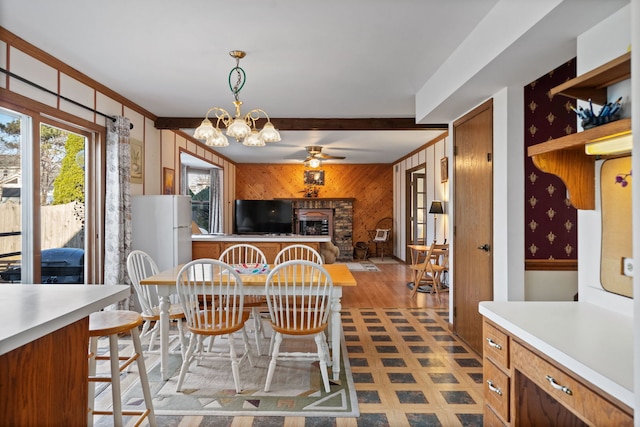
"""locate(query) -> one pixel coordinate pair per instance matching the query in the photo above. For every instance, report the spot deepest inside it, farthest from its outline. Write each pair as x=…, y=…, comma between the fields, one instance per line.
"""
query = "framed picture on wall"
x=168, y=181
x=314, y=177
x=137, y=161
x=444, y=169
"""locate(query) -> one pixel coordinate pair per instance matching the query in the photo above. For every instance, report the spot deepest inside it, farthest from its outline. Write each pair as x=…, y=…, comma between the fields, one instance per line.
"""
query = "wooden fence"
x=61, y=226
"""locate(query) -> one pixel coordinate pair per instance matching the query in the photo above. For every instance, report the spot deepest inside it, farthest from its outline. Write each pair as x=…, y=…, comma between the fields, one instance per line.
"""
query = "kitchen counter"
x=212, y=245
x=44, y=341
x=594, y=343
x=239, y=238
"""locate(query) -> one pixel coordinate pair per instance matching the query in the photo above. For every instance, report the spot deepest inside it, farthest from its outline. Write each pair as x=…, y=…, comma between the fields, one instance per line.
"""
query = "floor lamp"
x=435, y=209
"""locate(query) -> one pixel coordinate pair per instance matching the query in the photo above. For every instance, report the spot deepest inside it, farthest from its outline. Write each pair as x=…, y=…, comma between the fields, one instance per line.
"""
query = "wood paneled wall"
x=371, y=185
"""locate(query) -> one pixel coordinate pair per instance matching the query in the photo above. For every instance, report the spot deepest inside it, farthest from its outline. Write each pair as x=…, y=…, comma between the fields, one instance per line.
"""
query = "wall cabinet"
x=525, y=387
x=565, y=157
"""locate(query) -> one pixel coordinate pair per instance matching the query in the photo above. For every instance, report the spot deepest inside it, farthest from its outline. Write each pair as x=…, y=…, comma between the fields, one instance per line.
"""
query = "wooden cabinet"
x=523, y=387
x=565, y=157
x=213, y=249
x=44, y=382
x=205, y=249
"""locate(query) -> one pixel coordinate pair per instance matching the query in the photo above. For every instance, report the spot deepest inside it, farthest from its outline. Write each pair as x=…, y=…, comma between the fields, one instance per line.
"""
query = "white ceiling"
x=329, y=59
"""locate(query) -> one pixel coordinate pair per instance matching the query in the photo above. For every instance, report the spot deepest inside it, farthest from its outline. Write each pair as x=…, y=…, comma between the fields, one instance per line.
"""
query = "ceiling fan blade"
x=327, y=156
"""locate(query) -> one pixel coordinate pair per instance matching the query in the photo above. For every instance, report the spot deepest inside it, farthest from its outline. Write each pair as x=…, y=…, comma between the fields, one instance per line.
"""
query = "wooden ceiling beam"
x=284, y=124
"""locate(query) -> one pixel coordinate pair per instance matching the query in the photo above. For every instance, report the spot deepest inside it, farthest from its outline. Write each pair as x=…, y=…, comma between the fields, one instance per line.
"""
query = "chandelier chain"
x=241, y=79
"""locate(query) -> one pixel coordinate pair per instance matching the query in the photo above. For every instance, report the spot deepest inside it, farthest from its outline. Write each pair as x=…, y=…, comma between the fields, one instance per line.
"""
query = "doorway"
x=417, y=209
x=42, y=199
x=473, y=218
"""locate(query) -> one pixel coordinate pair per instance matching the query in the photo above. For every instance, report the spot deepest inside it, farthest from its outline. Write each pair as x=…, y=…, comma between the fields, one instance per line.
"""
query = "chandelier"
x=242, y=128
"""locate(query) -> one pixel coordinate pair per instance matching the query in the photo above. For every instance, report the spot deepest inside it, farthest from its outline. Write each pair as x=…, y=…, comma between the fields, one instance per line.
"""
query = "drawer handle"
x=494, y=344
x=493, y=388
x=557, y=386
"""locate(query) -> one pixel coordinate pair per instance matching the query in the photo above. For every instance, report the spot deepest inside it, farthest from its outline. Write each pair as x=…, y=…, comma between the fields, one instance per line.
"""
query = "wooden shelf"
x=565, y=156
x=594, y=83
x=579, y=139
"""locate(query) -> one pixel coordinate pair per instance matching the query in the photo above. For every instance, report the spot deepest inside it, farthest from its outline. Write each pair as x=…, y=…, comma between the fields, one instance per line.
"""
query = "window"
x=42, y=201
x=199, y=184
x=203, y=182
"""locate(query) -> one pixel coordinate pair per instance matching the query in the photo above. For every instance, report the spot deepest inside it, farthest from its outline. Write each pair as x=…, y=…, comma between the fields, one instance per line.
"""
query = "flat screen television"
x=263, y=217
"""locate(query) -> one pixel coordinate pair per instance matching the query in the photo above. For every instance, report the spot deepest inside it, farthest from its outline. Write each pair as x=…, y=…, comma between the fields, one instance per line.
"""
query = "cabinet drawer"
x=496, y=345
x=576, y=396
x=496, y=389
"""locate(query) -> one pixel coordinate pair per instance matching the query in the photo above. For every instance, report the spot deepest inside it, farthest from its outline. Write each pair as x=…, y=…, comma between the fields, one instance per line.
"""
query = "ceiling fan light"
x=238, y=129
x=254, y=140
x=205, y=130
x=269, y=133
x=314, y=163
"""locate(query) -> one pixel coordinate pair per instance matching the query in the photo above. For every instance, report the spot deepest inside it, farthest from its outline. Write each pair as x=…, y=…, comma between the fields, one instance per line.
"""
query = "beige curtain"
x=117, y=205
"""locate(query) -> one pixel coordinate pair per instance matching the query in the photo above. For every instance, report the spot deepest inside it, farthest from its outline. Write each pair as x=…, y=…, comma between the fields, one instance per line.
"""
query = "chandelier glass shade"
x=241, y=127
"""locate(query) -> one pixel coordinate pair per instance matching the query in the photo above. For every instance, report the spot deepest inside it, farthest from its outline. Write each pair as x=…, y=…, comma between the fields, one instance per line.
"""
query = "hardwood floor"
x=388, y=289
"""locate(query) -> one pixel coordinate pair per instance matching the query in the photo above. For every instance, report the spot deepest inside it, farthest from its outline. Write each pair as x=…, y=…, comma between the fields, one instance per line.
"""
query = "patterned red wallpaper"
x=550, y=220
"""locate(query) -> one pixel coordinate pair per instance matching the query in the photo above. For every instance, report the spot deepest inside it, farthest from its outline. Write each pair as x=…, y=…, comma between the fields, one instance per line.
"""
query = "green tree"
x=52, y=151
x=69, y=184
x=10, y=137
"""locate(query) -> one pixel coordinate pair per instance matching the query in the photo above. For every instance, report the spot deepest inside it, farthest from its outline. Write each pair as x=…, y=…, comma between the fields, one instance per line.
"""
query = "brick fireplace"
x=342, y=220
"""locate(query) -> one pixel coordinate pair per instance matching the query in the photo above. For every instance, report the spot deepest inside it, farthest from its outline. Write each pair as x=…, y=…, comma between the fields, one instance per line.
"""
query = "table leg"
x=165, y=303
x=336, y=332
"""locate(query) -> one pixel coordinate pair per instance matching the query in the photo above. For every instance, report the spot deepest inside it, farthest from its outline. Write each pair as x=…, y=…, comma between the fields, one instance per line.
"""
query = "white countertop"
x=29, y=312
x=289, y=238
x=595, y=343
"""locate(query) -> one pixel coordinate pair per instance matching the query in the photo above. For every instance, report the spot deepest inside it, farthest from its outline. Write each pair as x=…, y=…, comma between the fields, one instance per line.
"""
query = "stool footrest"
x=97, y=379
x=141, y=414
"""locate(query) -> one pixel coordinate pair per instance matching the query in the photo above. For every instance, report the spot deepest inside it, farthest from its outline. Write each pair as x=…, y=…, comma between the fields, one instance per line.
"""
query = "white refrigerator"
x=162, y=228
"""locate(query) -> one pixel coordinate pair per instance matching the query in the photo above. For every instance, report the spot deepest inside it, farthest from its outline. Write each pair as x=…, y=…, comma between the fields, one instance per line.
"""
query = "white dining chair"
x=140, y=265
x=212, y=311
x=298, y=252
x=246, y=254
x=299, y=300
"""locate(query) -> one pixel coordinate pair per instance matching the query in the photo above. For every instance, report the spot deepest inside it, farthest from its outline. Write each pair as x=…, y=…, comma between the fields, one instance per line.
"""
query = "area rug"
x=208, y=388
x=386, y=260
x=361, y=266
x=426, y=289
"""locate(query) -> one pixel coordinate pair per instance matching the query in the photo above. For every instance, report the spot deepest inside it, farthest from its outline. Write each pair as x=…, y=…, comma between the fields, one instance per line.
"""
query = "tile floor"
x=408, y=370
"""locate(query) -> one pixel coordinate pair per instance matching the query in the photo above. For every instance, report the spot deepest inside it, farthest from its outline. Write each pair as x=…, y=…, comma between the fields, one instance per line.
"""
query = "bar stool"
x=112, y=323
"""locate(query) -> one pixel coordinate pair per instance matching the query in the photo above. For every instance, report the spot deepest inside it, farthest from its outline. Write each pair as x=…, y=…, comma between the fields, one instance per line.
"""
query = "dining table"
x=254, y=284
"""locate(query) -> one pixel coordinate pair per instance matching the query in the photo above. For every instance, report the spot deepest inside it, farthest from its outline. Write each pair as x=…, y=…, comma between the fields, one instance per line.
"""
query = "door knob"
x=485, y=247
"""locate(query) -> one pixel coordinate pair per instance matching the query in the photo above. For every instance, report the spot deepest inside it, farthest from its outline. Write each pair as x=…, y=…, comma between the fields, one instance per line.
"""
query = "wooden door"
x=473, y=201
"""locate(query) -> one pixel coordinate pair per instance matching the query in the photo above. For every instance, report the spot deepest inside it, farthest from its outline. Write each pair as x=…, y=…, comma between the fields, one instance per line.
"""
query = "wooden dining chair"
x=293, y=252
x=140, y=265
x=427, y=270
x=212, y=311
x=299, y=300
x=242, y=254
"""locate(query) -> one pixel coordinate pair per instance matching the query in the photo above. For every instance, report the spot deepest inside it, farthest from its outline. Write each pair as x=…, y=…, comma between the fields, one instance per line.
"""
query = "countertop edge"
x=100, y=296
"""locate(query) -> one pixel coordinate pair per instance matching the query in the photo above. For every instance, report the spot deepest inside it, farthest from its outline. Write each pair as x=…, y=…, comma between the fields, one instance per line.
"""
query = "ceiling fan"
x=315, y=154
